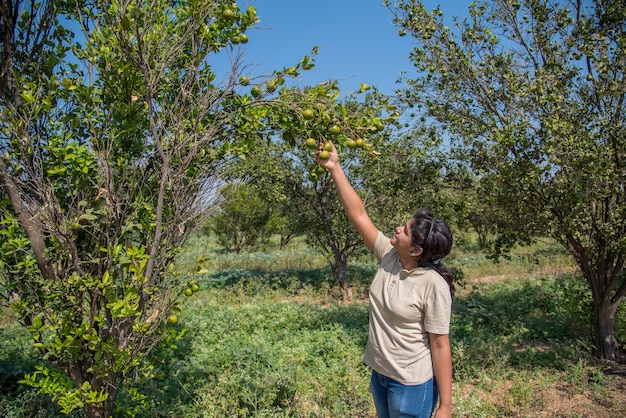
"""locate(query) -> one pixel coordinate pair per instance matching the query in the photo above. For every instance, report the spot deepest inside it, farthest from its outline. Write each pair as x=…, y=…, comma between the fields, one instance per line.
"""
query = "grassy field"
x=268, y=337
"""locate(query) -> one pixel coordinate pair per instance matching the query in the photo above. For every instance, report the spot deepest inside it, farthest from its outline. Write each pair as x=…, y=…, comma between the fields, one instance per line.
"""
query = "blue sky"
x=359, y=43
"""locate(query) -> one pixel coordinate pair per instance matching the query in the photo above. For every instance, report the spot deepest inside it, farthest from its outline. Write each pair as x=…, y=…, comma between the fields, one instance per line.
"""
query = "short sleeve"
x=382, y=246
x=438, y=311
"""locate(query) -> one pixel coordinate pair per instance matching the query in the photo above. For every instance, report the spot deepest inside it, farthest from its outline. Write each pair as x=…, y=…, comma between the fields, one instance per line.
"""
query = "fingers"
x=326, y=153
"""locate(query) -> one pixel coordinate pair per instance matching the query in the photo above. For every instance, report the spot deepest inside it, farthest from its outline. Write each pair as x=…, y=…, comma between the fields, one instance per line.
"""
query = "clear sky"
x=359, y=43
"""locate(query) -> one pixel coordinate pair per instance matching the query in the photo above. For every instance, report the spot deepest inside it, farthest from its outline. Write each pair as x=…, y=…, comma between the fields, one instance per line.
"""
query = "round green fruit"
x=334, y=130
x=243, y=38
x=228, y=14
x=324, y=155
x=188, y=291
x=328, y=146
x=351, y=143
x=359, y=143
x=313, y=177
x=271, y=86
x=195, y=287
x=244, y=80
x=255, y=91
x=311, y=143
x=172, y=320
x=307, y=114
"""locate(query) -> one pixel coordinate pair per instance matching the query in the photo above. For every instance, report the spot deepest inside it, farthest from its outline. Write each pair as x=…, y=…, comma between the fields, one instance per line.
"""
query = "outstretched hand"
x=328, y=163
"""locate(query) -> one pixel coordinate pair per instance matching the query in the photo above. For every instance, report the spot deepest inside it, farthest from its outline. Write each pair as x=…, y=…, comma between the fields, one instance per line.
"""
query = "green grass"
x=268, y=338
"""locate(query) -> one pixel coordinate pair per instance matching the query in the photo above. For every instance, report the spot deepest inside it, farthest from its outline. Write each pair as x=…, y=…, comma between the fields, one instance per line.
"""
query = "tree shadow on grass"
x=242, y=369
x=290, y=281
x=18, y=358
x=522, y=324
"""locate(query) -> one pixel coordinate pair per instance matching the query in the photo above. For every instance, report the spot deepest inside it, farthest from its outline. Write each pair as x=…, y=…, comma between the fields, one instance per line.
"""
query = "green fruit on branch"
x=378, y=125
x=311, y=143
x=228, y=14
x=271, y=86
x=324, y=155
x=307, y=114
x=328, y=146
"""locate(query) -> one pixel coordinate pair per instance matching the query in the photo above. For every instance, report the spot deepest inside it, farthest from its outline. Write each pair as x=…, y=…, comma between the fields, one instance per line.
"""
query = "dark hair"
x=434, y=237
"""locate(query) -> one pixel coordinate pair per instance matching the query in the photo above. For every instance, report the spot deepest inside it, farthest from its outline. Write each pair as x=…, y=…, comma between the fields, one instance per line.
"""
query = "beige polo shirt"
x=404, y=307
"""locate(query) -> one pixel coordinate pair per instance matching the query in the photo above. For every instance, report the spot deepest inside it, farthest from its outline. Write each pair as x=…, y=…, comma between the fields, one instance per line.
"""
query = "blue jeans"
x=395, y=400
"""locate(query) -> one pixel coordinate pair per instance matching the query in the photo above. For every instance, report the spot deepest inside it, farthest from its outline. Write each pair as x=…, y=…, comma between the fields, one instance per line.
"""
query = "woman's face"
x=402, y=240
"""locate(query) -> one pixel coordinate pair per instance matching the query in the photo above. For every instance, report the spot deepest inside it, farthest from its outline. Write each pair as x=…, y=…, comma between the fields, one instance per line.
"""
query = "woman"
x=408, y=347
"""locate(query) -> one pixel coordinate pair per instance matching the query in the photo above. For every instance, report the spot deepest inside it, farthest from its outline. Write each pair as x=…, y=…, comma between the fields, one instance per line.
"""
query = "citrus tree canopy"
x=532, y=94
x=113, y=127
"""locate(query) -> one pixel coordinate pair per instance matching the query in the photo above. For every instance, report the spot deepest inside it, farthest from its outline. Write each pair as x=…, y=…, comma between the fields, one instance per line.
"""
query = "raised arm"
x=350, y=200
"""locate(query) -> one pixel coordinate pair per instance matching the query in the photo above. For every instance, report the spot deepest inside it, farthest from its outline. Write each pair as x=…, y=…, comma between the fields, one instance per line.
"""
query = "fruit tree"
x=532, y=95
x=113, y=126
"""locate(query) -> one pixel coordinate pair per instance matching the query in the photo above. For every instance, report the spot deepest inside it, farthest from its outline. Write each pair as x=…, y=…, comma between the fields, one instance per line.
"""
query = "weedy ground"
x=268, y=337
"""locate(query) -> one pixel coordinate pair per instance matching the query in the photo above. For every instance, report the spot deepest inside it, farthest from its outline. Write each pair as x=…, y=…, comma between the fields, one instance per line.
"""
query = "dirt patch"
x=529, y=398
x=530, y=394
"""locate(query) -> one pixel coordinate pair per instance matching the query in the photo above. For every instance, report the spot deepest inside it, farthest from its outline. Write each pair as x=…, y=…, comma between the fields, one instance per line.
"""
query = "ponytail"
x=435, y=239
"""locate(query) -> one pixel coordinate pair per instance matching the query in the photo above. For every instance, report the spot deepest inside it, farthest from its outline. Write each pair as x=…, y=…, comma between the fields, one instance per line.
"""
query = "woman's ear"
x=416, y=251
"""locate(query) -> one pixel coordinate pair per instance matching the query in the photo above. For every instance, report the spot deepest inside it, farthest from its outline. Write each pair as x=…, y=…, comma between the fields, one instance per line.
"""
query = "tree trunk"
x=604, y=275
x=109, y=383
x=603, y=331
x=346, y=293
x=93, y=411
x=340, y=273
